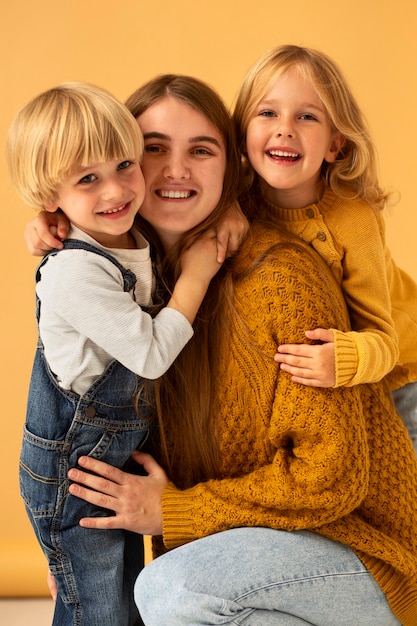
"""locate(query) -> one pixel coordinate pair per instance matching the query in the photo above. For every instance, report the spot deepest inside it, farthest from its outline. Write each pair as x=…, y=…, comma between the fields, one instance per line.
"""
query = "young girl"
x=95, y=339
x=310, y=156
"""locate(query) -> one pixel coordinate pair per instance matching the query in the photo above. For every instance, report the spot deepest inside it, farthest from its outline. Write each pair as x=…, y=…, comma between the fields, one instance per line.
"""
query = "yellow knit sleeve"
x=371, y=351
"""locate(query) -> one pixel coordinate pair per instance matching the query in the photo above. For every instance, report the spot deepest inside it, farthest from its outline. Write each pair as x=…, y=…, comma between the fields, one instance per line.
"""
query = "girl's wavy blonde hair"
x=70, y=125
x=354, y=172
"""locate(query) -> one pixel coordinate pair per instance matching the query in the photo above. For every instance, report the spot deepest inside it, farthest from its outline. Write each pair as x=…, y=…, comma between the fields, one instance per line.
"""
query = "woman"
x=247, y=455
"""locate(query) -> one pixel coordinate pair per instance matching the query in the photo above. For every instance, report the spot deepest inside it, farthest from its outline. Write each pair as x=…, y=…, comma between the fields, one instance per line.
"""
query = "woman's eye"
x=89, y=178
x=153, y=149
x=203, y=151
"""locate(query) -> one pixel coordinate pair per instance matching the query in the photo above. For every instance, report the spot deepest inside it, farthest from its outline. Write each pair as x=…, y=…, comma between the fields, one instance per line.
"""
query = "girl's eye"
x=307, y=116
x=89, y=178
x=267, y=113
x=124, y=165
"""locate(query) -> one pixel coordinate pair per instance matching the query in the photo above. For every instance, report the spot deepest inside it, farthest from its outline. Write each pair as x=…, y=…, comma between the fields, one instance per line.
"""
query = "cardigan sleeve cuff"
x=346, y=358
x=177, y=508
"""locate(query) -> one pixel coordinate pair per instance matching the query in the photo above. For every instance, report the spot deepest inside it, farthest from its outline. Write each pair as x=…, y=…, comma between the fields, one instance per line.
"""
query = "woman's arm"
x=135, y=500
x=45, y=232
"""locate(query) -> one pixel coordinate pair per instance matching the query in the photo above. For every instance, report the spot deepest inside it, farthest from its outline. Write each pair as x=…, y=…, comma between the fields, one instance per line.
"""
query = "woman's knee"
x=158, y=595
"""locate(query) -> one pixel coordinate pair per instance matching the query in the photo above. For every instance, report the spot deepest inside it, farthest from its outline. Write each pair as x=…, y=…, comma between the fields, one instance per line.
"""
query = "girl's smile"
x=288, y=137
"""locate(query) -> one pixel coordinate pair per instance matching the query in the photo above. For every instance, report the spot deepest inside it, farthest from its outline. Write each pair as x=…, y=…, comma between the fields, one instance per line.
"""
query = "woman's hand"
x=136, y=500
x=45, y=232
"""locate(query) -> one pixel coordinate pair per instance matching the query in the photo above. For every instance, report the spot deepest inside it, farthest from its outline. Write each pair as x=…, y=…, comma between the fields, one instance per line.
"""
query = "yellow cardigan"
x=382, y=299
x=298, y=457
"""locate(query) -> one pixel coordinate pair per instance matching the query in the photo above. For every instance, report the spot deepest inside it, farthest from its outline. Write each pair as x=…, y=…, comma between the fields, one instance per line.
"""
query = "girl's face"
x=183, y=165
x=288, y=137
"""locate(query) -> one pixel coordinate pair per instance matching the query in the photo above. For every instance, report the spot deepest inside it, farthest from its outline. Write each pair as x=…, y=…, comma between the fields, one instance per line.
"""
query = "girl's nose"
x=284, y=128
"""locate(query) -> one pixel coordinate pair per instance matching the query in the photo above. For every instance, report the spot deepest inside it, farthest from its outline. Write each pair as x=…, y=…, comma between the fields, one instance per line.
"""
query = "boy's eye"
x=89, y=178
x=124, y=165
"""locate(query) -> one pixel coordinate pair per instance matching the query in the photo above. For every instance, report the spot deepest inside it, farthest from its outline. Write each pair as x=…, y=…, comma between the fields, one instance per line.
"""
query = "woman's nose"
x=176, y=168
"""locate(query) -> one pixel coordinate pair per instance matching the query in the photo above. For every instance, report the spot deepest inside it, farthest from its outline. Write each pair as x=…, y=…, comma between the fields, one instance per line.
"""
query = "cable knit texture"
x=382, y=299
x=337, y=462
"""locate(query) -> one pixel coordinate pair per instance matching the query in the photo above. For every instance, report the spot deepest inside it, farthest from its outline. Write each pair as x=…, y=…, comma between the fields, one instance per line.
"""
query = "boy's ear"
x=338, y=141
x=51, y=207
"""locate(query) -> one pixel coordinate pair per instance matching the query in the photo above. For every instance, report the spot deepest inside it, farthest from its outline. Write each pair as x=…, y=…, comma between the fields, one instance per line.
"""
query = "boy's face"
x=102, y=200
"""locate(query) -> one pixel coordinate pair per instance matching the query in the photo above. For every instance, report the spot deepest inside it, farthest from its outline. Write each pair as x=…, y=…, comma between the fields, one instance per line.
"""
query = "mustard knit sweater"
x=337, y=462
x=382, y=299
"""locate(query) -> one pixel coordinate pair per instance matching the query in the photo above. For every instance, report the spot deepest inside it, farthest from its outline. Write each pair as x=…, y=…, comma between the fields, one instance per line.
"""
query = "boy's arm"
x=198, y=266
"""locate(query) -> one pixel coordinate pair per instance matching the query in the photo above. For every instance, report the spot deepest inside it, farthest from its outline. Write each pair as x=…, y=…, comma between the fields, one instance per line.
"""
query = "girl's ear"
x=337, y=142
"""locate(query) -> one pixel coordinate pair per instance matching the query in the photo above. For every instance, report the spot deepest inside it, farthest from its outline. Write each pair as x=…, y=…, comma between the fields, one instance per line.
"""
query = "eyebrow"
x=198, y=138
x=303, y=105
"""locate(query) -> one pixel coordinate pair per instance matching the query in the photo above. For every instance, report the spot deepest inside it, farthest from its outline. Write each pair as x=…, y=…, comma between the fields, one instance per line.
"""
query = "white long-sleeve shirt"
x=87, y=320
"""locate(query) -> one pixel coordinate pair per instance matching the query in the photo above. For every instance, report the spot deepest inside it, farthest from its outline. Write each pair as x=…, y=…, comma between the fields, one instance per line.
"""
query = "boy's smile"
x=102, y=200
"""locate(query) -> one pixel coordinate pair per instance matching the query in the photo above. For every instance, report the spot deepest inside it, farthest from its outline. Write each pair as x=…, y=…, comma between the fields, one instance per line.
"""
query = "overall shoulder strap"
x=129, y=278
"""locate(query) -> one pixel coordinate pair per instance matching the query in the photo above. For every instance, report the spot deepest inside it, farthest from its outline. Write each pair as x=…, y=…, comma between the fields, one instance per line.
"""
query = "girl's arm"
x=371, y=350
x=310, y=364
x=231, y=231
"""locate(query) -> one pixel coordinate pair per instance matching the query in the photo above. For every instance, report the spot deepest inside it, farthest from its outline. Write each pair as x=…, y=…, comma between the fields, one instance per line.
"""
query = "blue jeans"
x=261, y=577
x=405, y=400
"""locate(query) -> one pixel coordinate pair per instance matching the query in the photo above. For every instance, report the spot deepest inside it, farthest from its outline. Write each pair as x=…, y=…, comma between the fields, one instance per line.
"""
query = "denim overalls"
x=95, y=570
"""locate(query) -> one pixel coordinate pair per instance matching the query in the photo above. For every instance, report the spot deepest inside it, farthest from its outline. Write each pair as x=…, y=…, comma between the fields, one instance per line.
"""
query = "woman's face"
x=183, y=165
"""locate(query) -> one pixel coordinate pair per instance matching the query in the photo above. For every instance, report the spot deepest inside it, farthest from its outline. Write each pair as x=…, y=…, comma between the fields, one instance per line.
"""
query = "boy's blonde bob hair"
x=354, y=172
x=71, y=125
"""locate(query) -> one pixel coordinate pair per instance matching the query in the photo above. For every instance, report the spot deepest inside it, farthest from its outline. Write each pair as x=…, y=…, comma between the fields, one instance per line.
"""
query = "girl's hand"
x=230, y=232
x=135, y=500
x=310, y=365
x=45, y=232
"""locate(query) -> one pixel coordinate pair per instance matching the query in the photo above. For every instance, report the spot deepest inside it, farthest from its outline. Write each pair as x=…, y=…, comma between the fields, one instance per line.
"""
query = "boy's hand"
x=230, y=232
x=310, y=365
x=46, y=232
x=200, y=261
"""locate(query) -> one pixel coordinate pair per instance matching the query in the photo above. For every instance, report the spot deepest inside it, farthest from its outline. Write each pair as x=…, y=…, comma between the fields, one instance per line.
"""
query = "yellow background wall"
x=119, y=45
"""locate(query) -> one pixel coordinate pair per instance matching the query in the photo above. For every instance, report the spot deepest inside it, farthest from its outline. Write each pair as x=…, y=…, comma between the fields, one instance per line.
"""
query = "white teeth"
x=114, y=210
x=279, y=153
x=175, y=194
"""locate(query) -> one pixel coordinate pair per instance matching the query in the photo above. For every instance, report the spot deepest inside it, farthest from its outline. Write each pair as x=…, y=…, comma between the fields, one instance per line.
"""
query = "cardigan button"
x=310, y=213
x=321, y=236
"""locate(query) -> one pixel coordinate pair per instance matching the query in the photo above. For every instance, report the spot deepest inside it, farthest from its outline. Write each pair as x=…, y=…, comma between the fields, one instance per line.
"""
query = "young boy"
x=77, y=148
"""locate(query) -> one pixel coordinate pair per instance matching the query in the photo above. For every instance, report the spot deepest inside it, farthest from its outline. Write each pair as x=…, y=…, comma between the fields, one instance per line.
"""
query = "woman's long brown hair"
x=183, y=394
